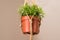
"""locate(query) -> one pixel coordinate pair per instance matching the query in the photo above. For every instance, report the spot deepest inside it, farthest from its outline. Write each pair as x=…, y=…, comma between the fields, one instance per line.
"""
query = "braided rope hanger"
x=31, y=33
x=26, y=1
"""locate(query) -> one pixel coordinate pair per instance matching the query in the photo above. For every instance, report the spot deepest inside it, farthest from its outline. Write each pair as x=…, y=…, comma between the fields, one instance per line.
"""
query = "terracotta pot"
x=25, y=23
x=36, y=24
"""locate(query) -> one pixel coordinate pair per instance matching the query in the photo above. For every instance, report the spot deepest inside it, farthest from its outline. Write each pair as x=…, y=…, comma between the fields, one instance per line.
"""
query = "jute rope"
x=31, y=33
x=26, y=1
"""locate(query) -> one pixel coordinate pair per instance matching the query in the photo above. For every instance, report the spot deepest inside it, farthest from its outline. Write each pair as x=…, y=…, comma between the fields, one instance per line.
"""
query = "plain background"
x=10, y=21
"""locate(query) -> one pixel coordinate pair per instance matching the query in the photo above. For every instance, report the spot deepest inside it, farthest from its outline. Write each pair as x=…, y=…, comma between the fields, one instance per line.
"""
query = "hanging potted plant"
x=37, y=16
x=34, y=13
x=25, y=23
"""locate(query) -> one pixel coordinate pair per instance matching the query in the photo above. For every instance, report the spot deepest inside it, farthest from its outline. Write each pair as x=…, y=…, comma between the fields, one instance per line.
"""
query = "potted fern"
x=33, y=12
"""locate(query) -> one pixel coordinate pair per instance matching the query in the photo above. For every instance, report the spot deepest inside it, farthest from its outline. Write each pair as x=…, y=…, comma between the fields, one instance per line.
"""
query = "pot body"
x=25, y=23
x=36, y=24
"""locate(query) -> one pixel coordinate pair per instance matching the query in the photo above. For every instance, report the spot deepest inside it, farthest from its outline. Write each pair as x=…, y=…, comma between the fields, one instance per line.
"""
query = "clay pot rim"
x=28, y=17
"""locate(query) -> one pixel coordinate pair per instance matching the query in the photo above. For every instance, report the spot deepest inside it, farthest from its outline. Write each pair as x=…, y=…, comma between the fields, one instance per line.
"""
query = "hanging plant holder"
x=31, y=16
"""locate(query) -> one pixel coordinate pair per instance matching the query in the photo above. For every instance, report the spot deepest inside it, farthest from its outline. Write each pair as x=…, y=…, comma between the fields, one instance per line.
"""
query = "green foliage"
x=24, y=10
x=33, y=10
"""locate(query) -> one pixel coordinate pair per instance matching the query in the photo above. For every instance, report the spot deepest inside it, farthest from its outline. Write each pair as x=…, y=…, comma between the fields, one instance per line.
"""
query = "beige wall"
x=9, y=20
